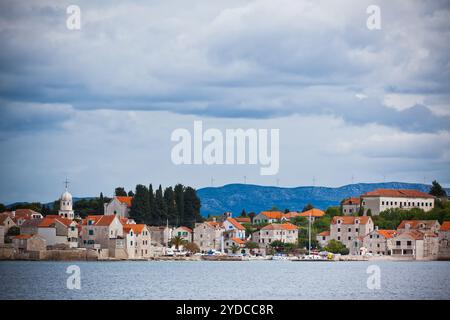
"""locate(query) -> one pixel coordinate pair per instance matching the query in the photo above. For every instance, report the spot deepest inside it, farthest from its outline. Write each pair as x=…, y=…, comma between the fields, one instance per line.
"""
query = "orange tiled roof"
x=238, y=241
x=214, y=224
x=351, y=201
x=350, y=219
x=387, y=234
x=186, y=228
x=400, y=193
x=414, y=224
x=280, y=226
x=126, y=200
x=313, y=212
x=324, y=233
x=3, y=217
x=243, y=219
x=105, y=220
x=291, y=215
x=414, y=234
x=137, y=228
x=273, y=214
x=23, y=236
x=236, y=224
x=445, y=226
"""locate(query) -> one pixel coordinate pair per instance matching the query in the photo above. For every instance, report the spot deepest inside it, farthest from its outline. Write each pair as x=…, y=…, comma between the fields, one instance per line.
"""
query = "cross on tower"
x=66, y=183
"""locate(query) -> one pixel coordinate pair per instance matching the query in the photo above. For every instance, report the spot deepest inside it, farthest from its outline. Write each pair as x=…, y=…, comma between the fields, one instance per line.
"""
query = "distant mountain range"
x=235, y=197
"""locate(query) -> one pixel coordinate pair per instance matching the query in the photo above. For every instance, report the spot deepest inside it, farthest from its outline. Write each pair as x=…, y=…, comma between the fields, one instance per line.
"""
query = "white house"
x=137, y=241
x=234, y=228
x=97, y=231
x=184, y=233
x=57, y=230
x=119, y=206
x=382, y=199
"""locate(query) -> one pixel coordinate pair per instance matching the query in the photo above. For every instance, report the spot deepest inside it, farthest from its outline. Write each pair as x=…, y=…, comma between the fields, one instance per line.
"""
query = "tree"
x=234, y=248
x=152, y=204
x=131, y=193
x=251, y=215
x=140, y=207
x=2, y=207
x=369, y=212
x=333, y=211
x=335, y=246
x=161, y=207
x=251, y=245
x=300, y=221
x=13, y=231
x=120, y=192
x=191, y=207
x=191, y=247
x=309, y=206
x=436, y=190
x=361, y=211
x=177, y=241
x=169, y=199
x=243, y=213
x=179, y=201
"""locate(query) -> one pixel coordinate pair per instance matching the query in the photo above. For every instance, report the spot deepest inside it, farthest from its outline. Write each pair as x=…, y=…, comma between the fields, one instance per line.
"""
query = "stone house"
x=184, y=233
x=350, y=230
x=57, y=230
x=323, y=238
x=137, y=241
x=285, y=232
x=119, y=206
x=160, y=235
x=208, y=235
x=29, y=242
x=414, y=244
x=2, y=234
x=268, y=217
x=7, y=222
x=383, y=199
x=375, y=242
x=350, y=206
x=444, y=241
x=420, y=225
x=97, y=231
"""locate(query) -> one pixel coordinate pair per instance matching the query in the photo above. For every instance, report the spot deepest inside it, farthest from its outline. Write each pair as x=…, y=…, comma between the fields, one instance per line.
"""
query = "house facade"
x=285, y=232
x=323, y=238
x=7, y=222
x=234, y=228
x=420, y=225
x=137, y=241
x=444, y=241
x=350, y=206
x=208, y=235
x=29, y=242
x=57, y=230
x=98, y=231
x=184, y=233
x=375, y=242
x=350, y=230
x=268, y=217
x=414, y=244
x=382, y=199
x=119, y=206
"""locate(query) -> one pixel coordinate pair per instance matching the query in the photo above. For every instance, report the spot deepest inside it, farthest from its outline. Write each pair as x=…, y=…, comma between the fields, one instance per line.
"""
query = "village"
x=115, y=236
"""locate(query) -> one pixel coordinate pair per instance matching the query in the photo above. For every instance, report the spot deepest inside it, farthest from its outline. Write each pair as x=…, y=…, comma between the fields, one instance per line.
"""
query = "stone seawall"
x=49, y=255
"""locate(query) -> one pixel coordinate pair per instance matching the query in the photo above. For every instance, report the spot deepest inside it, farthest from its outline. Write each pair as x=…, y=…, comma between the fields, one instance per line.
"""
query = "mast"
x=309, y=234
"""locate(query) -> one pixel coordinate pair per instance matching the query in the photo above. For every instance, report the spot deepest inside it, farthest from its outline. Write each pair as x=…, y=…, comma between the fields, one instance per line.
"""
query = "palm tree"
x=234, y=248
x=177, y=241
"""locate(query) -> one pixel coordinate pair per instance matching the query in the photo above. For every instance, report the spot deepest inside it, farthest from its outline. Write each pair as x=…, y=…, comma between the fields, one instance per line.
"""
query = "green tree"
x=131, y=193
x=243, y=213
x=154, y=218
x=309, y=206
x=251, y=215
x=140, y=207
x=436, y=190
x=2, y=207
x=191, y=207
x=369, y=212
x=120, y=192
x=177, y=241
x=251, y=245
x=234, y=248
x=160, y=206
x=335, y=246
x=169, y=199
x=13, y=231
x=179, y=201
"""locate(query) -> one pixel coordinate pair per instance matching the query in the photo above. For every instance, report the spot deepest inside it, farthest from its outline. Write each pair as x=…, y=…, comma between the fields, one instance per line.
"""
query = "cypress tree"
x=169, y=199
x=120, y=192
x=179, y=202
x=160, y=206
x=140, y=207
x=191, y=207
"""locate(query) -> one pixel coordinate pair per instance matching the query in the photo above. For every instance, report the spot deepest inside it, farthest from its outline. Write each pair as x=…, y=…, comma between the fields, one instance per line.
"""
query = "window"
x=357, y=230
x=339, y=238
x=408, y=243
x=91, y=232
x=349, y=238
x=382, y=203
x=349, y=229
x=398, y=243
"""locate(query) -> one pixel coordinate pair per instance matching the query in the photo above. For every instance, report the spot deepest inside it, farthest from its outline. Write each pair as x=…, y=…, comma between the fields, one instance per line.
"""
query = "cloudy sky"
x=98, y=105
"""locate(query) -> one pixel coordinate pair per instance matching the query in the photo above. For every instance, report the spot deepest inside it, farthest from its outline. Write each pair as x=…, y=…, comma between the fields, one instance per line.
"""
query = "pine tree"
x=120, y=192
x=154, y=220
x=140, y=207
x=101, y=201
x=243, y=213
x=436, y=190
x=130, y=193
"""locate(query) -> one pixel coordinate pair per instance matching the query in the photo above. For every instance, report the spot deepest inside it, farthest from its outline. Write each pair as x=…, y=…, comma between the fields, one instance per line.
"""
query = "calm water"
x=224, y=280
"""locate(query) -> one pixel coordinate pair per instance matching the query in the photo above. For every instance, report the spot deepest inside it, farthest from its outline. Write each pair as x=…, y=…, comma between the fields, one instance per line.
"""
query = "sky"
x=98, y=105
